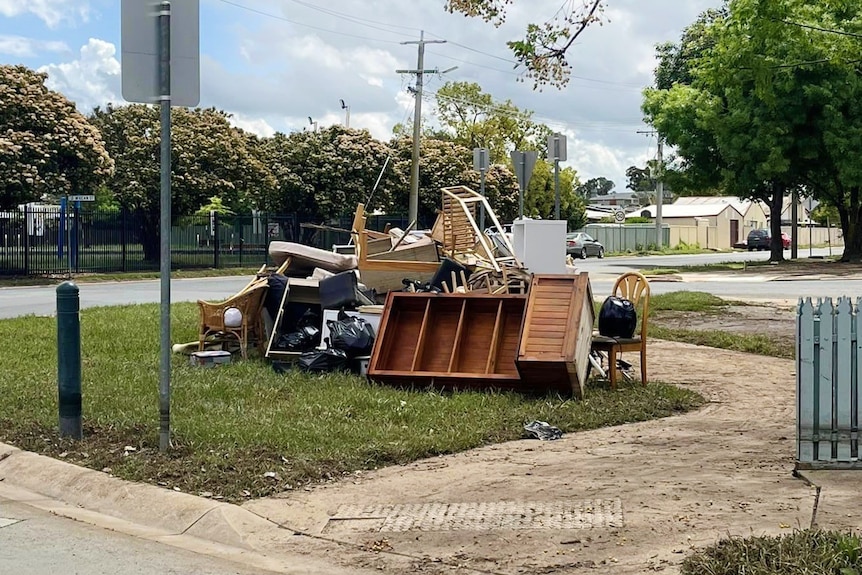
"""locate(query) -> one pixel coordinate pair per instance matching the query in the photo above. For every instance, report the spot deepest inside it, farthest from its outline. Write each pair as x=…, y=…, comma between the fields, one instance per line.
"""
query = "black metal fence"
x=44, y=241
x=48, y=241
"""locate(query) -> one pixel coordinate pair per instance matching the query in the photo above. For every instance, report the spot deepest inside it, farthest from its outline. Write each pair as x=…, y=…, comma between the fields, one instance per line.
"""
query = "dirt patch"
x=773, y=321
x=681, y=482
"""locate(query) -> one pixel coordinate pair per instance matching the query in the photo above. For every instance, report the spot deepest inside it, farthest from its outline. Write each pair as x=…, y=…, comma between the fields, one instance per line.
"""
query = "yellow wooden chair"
x=634, y=287
x=249, y=302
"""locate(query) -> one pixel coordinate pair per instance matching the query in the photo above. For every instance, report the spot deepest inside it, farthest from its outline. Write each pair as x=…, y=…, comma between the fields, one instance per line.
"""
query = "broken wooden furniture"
x=634, y=287
x=303, y=259
x=217, y=323
x=299, y=295
x=555, y=339
x=461, y=234
x=449, y=341
x=384, y=270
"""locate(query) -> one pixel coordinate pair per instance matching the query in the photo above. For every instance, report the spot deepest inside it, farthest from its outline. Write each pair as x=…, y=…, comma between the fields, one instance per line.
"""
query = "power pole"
x=413, y=204
x=658, y=174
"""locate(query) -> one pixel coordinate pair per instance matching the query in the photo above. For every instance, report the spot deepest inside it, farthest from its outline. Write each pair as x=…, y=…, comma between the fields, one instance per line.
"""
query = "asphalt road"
x=34, y=542
x=41, y=300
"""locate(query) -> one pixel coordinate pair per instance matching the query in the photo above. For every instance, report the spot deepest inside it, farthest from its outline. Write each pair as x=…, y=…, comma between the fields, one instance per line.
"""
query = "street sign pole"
x=482, y=206
x=523, y=162
x=161, y=64
x=481, y=162
x=557, y=152
x=164, y=16
x=556, y=189
x=522, y=186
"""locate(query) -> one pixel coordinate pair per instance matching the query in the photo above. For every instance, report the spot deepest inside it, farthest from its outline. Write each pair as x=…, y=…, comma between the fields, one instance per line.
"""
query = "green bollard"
x=69, y=360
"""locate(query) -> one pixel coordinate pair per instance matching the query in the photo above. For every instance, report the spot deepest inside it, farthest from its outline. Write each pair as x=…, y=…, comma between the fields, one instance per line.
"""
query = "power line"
x=356, y=19
x=361, y=21
x=283, y=19
x=518, y=114
x=819, y=29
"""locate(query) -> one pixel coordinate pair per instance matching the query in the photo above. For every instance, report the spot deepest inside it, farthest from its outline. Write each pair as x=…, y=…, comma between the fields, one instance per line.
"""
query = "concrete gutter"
x=179, y=519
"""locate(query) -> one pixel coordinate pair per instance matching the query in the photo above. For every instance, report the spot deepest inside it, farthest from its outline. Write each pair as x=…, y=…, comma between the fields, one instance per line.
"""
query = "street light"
x=344, y=106
x=312, y=123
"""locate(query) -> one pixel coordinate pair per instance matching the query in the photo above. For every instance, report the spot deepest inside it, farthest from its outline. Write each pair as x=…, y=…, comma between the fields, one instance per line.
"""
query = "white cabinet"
x=541, y=245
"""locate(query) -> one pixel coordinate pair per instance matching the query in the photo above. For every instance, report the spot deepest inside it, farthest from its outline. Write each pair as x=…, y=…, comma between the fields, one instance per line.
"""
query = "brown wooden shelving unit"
x=449, y=340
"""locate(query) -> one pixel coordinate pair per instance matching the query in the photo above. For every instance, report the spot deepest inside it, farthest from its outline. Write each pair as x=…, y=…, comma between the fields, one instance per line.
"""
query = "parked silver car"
x=581, y=245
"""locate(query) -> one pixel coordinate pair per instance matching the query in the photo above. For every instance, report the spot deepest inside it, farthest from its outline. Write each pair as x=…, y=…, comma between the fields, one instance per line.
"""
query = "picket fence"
x=828, y=375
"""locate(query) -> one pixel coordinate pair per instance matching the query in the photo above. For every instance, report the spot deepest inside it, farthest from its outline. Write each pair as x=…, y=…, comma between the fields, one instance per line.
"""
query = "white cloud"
x=52, y=12
x=90, y=81
x=22, y=47
x=256, y=126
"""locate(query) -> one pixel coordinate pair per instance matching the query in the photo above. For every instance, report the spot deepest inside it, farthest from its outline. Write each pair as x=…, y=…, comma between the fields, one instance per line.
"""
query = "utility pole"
x=413, y=204
x=658, y=174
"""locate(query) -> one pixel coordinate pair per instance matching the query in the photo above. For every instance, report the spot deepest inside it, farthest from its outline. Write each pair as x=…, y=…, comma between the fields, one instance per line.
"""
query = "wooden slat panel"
x=857, y=381
x=805, y=321
x=824, y=392
x=843, y=398
x=442, y=329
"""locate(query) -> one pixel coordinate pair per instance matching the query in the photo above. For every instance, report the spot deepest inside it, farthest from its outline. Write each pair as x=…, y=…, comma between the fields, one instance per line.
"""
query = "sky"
x=286, y=65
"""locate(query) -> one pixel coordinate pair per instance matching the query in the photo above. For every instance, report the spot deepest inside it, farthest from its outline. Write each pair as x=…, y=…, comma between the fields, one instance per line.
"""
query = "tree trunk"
x=148, y=234
x=776, y=203
x=851, y=228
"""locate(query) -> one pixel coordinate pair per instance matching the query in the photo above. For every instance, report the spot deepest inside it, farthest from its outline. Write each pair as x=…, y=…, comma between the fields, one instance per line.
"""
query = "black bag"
x=323, y=360
x=304, y=337
x=617, y=318
x=300, y=340
x=351, y=334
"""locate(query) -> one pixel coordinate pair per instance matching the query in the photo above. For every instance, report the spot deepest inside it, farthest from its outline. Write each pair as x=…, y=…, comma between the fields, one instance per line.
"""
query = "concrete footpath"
x=626, y=499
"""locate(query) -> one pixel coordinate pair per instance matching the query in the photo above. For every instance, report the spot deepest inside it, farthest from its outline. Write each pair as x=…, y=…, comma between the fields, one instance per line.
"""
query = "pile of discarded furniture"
x=452, y=308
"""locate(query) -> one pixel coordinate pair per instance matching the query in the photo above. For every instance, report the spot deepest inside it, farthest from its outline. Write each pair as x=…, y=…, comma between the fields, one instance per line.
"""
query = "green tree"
x=721, y=124
x=475, y=120
x=542, y=51
x=540, y=199
x=46, y=147
x=595, y=187
x=209, y=158
x=324, y=175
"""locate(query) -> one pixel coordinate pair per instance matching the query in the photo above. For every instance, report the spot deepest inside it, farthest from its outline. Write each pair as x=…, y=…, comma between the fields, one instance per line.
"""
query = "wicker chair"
x=250, y=329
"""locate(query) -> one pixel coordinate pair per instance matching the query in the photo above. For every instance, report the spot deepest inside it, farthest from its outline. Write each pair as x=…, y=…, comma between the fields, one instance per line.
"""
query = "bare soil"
x=774, y=320
x=683, y=482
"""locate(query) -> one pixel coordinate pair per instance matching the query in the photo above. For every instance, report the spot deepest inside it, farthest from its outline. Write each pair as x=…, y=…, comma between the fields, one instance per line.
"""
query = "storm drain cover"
x=7, y=522
x=586, y=514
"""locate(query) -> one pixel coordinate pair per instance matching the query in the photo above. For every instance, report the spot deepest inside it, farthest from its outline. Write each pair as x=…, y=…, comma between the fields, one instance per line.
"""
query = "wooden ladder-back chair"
x=249, y=302
x=634, y=287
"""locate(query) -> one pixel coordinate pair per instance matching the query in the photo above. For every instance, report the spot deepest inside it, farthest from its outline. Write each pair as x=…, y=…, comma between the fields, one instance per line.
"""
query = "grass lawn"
x=805, y=551
x=244, y=431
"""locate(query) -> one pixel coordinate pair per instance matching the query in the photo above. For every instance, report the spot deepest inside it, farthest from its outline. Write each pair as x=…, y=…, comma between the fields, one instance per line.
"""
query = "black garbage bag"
x=302, y=339
x=322, y=360
x=351, y=334
x=617, y=317
x=305, y=336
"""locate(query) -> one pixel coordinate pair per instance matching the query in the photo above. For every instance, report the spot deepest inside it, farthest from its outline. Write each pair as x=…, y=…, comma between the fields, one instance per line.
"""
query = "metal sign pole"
x=556, y=189
x=522, y=186
x=482, y=206
x=164, y=16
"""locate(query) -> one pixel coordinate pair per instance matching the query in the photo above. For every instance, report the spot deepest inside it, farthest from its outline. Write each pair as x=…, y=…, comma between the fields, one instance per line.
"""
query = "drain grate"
x=586, y=514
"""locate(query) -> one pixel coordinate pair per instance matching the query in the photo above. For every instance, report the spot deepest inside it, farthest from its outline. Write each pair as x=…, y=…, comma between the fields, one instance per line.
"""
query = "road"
x=618, y=265
x=41, y=300
x=34, y=542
